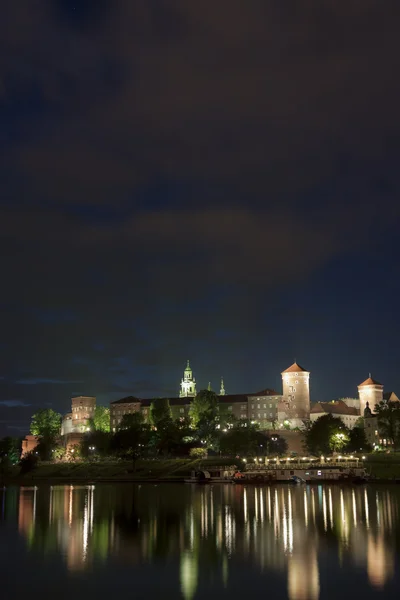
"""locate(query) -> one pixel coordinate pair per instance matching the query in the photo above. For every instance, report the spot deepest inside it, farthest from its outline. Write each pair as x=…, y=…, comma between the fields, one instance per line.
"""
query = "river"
x=199, y=542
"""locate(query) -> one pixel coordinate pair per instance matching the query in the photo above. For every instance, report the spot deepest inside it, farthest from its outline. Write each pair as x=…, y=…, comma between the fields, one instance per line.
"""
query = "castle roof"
x=336, y=407
x=294, y=368
x=266, y=392
x=390, y=397
x=370, y=381
x=225, y=399
x=127, y=400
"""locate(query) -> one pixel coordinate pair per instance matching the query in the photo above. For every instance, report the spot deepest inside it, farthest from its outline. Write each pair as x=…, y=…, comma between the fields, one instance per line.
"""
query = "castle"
x=269, y=409
x=266, y=407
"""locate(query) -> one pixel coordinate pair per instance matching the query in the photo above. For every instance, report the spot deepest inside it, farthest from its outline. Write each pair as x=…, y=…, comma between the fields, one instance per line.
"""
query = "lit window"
x=252, y=415
x=243, y=416
x=258, y=406
x=265, y=415
x=270, y=405
x=182, y=410
x=270, y=414
x=264, y=406
x=252, y=406
x=259, y=415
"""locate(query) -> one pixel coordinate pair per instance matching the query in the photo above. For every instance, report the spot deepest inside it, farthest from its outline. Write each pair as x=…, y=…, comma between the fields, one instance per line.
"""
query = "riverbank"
x=384, y=468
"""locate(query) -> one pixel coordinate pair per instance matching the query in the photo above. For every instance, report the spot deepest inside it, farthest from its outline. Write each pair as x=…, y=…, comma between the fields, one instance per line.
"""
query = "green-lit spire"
x=188, y=367
x=222, y=390
x=209, y=386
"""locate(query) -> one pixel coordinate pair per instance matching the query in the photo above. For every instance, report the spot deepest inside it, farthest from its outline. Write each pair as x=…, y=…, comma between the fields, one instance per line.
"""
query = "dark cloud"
x=41, y=380
x=13, y=403
x=217, y=184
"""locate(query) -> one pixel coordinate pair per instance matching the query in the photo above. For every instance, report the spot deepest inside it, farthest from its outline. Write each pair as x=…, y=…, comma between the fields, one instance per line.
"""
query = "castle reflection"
x=209, y=530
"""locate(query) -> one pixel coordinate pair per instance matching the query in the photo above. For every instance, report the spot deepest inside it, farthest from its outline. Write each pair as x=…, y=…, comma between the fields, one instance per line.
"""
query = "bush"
x=28, y=463
x=198, y=452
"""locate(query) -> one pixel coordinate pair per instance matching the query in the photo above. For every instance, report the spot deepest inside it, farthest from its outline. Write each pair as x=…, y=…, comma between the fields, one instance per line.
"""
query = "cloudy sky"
x=216, y=181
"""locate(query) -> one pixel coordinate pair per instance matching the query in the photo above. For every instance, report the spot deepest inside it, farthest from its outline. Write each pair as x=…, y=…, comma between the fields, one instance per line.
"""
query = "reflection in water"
x=282, y=529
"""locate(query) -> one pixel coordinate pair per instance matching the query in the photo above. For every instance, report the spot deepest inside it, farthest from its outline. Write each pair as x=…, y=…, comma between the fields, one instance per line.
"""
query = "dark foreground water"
x=192, y=542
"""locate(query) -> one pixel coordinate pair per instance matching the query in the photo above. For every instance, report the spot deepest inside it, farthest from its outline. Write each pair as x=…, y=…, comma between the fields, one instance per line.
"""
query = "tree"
x=388, y=414
x=101, y=419
x=204, y=407
x=160, y=413
x=132, y=437
x=357, y=440
x=276, y=444
x=326, y=434
x=244, y=438
x=46, y=423
x=95, y=444
x=10, y=449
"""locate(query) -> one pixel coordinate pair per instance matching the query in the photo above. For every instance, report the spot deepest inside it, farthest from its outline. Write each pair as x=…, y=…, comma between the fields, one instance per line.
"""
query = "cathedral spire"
x=188, y=383
x=222, y=390
x=209, y=386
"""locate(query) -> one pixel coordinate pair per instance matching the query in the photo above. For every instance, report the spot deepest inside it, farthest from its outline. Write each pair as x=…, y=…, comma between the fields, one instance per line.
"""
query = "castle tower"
x=82, y=411
x=370, y=391
x=222, y=390
x=296, y=391
x=188, y=383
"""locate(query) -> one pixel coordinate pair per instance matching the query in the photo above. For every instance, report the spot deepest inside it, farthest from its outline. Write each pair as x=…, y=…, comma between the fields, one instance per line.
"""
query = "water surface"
x=198, y=542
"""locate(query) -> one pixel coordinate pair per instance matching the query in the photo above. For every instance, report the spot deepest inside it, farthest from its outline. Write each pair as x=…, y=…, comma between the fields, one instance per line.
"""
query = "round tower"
x=296, y=391
x=83, y=408
x=370, y=392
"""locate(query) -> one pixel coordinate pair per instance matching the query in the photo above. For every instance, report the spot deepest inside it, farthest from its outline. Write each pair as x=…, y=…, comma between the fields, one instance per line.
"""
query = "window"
x=290, y=388
x=270, y=414
x=229, y=407
x=252, y=415
x=259, y=415
x=265, y=415
x=252, y=406
x=264, y=406
x=243, y=407
x=270, y=405
x=181, y=410
x=243, y=416
x=258, y=406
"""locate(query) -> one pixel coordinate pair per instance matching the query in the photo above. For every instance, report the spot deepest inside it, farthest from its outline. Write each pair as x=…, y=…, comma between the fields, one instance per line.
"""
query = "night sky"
x=216, y=181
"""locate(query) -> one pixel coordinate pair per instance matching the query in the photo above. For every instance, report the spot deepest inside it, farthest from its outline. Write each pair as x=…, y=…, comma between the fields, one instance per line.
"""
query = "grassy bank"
x=174, y=469
x=384, y=466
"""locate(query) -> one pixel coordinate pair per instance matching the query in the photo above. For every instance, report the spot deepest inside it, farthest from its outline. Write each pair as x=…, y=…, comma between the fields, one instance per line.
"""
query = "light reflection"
x=273, y=528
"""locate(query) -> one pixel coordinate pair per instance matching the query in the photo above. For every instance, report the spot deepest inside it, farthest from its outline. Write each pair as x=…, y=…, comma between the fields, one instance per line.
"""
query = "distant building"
x=353, y=410
x=338, y=408
x=370, y=391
